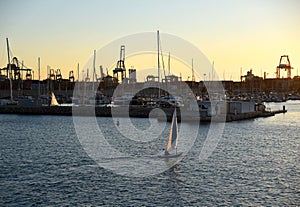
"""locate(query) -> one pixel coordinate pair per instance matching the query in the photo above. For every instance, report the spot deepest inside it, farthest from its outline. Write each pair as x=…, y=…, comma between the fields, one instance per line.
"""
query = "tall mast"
x=78, y=72
x=193, y=75
x=94, y=70
x=158, y=64
x=10, y=73
x=39, y=67
x=212, y=71
x=162, y=59
x=169, y=64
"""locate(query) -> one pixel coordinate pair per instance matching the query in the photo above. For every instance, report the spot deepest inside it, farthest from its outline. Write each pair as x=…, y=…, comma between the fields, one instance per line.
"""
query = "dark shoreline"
x=138, y=112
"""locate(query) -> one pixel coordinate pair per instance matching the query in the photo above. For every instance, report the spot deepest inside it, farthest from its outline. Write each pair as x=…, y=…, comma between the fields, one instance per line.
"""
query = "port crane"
x=284, y=63
x=16, y=70
x=51, y=74
x=71, y=76
x=58, y=75
x=121, y=65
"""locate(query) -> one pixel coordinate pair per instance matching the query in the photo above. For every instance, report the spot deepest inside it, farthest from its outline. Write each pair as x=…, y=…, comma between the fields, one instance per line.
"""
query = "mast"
x=193, y=75
x=158, y=64
x=212, y=71
x=176, y=130
x=78, y=72
x=48, y=77
x=10, y=73
x=162, y=60
x=169, y=64
x=39, y=68
x=94, y=70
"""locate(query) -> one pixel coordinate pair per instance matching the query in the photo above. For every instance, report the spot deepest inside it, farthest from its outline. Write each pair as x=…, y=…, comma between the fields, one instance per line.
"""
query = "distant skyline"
x=235, y=35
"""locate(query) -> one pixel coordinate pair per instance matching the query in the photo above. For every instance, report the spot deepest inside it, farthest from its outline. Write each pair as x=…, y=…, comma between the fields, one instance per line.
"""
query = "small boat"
x=122, y=100
x=173, y=139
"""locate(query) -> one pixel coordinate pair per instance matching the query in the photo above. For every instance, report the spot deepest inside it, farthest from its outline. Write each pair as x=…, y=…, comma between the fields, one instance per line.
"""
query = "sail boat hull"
x=172, y=155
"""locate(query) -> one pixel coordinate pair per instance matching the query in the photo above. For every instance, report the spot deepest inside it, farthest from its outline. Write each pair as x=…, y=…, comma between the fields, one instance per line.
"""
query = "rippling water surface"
x=256, y=162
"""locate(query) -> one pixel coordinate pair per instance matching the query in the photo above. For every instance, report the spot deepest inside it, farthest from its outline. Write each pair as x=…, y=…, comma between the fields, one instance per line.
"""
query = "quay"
x=252, y=115
x=225, y=117
x=99, y=111
x=136, y=111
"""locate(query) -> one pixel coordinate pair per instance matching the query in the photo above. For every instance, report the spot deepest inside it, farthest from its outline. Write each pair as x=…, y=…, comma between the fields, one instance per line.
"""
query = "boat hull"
x=171, y=155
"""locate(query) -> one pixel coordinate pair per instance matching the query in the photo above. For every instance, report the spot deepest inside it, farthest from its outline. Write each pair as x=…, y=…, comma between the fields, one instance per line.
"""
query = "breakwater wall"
x=103, y=111
x=140, y=112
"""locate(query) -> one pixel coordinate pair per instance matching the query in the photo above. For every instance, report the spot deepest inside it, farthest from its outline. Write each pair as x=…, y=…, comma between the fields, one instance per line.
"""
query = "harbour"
x=228, y=100
x=116, y=125
x=149, y=103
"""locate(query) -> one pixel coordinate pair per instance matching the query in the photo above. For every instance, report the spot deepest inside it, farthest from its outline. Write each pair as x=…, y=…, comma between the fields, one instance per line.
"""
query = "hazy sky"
x=233, y=33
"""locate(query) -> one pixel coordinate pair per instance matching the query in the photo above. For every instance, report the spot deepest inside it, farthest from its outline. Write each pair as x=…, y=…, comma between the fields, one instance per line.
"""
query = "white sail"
x=173, y=137
x=53, y=100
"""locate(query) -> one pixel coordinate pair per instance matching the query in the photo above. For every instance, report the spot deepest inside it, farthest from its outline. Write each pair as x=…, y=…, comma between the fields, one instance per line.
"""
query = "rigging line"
x=11, y=54
x=162, y=58
x=2, y=59
x=3, y=54
x=21, y=63
x=169, y=64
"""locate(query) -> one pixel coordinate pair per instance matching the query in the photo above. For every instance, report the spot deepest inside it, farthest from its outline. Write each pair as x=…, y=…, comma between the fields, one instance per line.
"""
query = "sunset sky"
x=233, y=34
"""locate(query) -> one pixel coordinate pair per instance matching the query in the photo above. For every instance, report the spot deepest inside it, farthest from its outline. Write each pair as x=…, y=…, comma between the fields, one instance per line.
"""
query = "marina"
x=226, y=100
x=149, y=103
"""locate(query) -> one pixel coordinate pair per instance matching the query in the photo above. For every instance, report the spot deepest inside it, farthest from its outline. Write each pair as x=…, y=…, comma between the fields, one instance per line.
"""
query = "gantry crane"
x=16, y=70
x=284, y=63
x=121, y=65
x=58, y=75
x=71, y=76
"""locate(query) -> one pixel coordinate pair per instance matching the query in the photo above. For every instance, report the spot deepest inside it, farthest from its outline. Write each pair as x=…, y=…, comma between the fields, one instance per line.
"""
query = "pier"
x=137, y=112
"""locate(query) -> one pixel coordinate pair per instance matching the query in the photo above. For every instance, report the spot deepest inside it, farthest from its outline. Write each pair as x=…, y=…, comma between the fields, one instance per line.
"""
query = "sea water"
x=255, y=162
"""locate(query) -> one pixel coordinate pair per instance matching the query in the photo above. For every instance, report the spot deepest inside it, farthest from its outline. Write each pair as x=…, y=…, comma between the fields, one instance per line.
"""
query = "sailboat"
x=53, y=100
x=173, y=139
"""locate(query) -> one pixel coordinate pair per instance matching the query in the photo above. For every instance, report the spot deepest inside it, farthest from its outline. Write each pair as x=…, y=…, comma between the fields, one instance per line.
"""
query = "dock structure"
x=137, y=111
